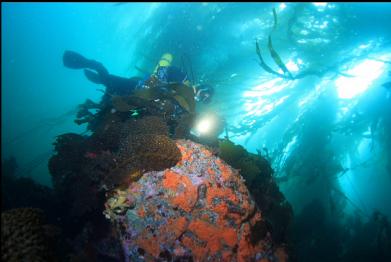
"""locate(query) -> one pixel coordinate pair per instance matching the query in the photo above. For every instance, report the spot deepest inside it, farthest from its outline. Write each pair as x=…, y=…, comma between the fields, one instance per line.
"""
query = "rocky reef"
x=25, y=237
x=139, y=188
x=200, y=209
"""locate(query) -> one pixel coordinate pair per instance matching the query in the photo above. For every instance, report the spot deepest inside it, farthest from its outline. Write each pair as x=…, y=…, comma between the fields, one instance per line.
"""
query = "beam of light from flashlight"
x=205, y=125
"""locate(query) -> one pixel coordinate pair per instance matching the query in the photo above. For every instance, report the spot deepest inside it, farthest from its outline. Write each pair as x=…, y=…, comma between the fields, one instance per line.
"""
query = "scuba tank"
x=165, y=60
x=168, y=82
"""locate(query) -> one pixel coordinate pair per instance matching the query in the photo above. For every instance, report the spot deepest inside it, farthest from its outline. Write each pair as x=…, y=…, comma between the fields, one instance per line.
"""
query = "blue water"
x=327, y=131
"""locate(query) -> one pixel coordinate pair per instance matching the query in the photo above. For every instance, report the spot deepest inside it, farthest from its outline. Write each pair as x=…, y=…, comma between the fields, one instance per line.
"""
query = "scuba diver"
x=166, y=92
x=163, y=75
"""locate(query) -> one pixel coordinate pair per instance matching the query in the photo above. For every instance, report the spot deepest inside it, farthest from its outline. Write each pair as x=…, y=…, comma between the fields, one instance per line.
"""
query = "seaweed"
x=276, y=57
x=257, y=173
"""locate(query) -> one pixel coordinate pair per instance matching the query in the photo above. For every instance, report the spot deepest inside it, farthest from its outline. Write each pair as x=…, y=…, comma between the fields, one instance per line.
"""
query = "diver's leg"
x=93, y=77
x=98, y=74
x=75, y=60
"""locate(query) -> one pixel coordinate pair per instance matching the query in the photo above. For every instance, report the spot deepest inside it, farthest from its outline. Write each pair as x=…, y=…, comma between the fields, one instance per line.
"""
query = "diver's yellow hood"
x=165, y=60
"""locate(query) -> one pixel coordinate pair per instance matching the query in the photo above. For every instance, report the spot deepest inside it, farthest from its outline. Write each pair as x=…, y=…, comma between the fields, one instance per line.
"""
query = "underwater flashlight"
x=206, y=125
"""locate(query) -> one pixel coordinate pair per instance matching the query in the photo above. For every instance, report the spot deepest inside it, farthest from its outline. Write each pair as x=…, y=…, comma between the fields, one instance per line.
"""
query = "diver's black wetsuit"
x=178, y=104
x=115, y=85
x=120, y=86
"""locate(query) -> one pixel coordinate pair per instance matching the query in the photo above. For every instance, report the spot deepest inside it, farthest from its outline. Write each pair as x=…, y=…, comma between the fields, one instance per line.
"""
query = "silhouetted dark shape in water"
x=22, y=191
x=122, y=86
x=115, y=84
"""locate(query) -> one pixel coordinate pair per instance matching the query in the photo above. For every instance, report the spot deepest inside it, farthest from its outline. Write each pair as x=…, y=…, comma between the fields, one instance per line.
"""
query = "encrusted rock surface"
x=200, y=209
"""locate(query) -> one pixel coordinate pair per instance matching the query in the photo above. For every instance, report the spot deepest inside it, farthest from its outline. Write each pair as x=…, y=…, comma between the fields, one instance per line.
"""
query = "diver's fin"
x=93, y=77
x=74, y=60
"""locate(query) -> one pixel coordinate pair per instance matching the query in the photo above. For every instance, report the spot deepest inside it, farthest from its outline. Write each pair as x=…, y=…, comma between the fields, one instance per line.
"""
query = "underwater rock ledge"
x=198, y=209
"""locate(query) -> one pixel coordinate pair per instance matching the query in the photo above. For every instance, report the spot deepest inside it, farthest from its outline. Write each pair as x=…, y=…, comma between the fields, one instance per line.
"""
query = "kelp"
x=276, y=57
x=184, y=96
x=181, y=93
x=263, y=64
x=275, y=19
x=319, y=72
